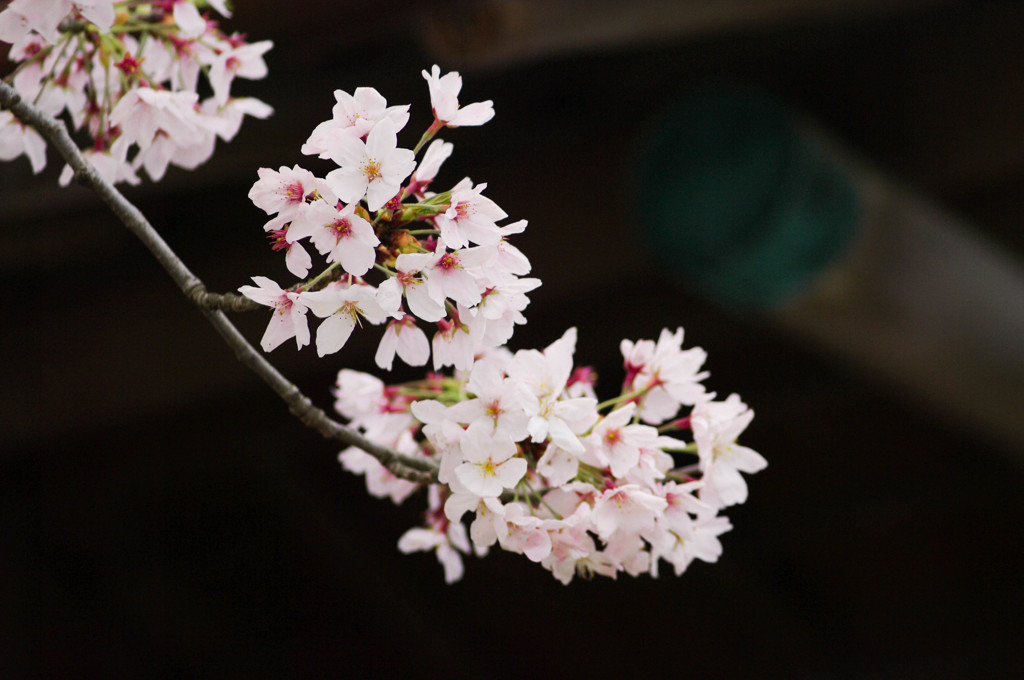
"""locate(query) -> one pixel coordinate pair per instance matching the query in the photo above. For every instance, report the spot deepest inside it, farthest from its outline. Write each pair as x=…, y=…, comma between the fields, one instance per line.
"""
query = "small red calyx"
x=277, y=239
x=129, y=65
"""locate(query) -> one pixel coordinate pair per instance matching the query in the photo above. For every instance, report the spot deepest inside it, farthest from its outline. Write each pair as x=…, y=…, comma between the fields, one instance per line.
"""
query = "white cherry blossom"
x=444, y=100
x=342, y=307
x=289, y=317
x=375, y=168
x=470, y=217
x=488, y=466
x=341, y=235
x=354, y=115
x=404, y=337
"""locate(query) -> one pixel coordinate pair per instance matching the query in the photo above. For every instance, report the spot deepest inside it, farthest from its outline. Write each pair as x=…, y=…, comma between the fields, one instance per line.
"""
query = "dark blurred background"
x=162, y=515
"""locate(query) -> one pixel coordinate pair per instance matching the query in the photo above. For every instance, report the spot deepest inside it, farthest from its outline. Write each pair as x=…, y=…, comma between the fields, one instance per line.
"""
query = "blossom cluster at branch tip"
x=526, y=457
x=529, y=462
x=126, y=76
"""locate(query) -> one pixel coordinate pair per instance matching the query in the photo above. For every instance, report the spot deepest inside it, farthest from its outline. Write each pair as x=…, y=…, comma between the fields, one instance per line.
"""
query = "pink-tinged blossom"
x=111, y=164
x=143, y=112
x=629, y=554
x=487, y=333
x=542, y=377
x=495, y=407
x=449, y=274
x=341, y=235
x=616, y=444
x=444, y=434
x=669, y=375
x=696, y=540
x=716, y=425
x=245, y=61
x=15, y=26
x=17, y=139
x=44, y=17
x=489, y=524
x=437, y=153
x=508, y=258
x=654, y=463
x=189, y=21
x=415, y=290
x=488, y=465
x=374, y=169
x=66, y=91
x=233, y=112
x=493, y=321
x=444, y=537
x=452, y=346
x=283, y=191
x=557, y=465
x=380, y=482
x=165, y=150
x=629, y=509
x=28, y=80
x=358, y=394
x=342, y=307
x=681, y=505
x=418, y=539
x=296, y=258
x=470, y=217
x=289, y=317
x=354, y=115
x=444, y=100
x=526, y=533
x=404, y=337
x=572, y=546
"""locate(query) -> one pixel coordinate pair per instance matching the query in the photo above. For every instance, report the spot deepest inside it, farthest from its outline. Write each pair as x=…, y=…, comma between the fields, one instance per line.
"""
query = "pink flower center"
x=295, y=192
x=283, y=304
x=448, y=262
x=342, y=228
x=494, y=410
x=277, y=239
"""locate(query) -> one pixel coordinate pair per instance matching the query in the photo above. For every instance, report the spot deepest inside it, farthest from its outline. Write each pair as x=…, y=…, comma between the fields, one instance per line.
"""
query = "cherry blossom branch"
x=228, y=302
x=300, y=405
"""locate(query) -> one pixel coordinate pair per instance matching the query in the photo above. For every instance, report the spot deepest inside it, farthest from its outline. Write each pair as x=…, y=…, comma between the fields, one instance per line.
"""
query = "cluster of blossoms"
x=517, y=441
x=126, y=72
x=523, y=446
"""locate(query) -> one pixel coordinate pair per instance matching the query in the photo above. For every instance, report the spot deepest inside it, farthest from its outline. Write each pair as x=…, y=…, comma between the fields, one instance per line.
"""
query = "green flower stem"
x=540, y=499
x=427, y=136
x=590, y=475
x=682, y=475
x=318, y=278
x=621, y=399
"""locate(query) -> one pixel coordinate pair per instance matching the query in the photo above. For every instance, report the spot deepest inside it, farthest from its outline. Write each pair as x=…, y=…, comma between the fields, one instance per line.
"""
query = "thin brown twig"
x=211, y=304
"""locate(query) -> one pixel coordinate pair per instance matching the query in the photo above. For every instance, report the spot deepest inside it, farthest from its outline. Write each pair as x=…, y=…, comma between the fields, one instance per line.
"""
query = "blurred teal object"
x=739, y=202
